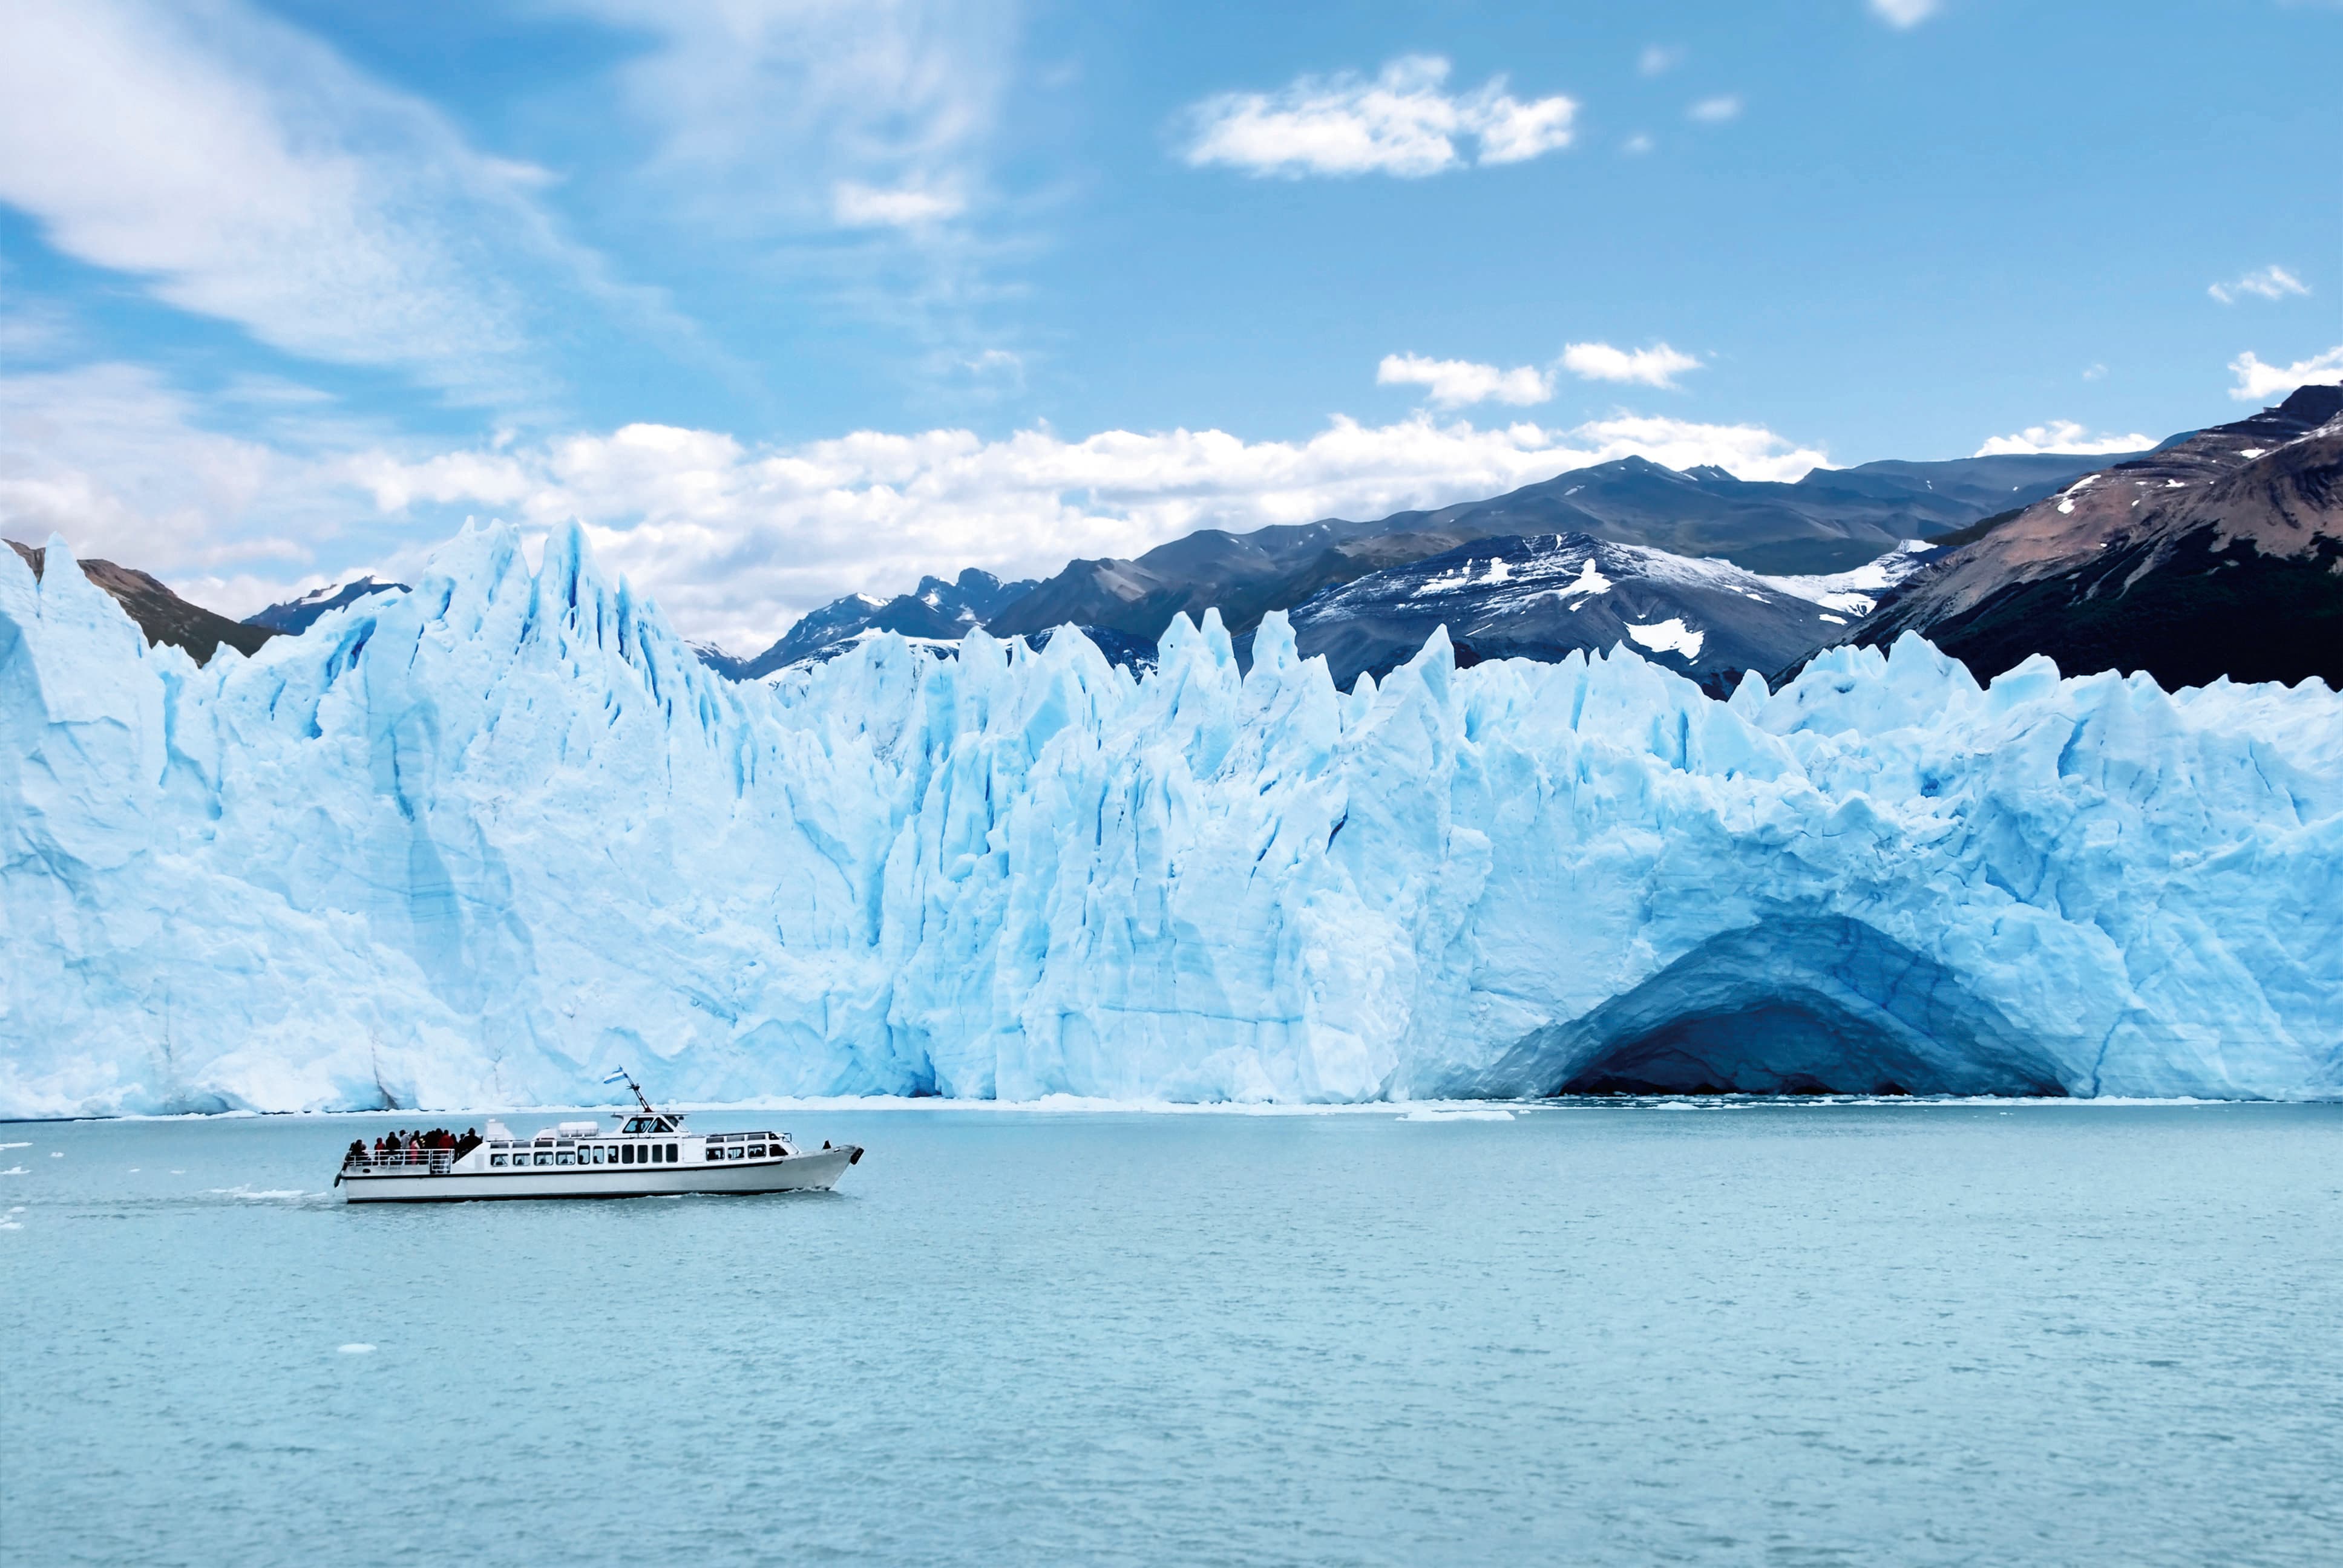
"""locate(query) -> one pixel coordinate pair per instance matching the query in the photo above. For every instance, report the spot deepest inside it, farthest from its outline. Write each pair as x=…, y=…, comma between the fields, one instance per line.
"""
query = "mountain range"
x=1546, y=596
x=2221, y=554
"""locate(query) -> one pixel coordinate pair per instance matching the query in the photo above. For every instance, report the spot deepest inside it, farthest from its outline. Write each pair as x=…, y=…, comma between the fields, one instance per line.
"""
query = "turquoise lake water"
x=1783, y=1333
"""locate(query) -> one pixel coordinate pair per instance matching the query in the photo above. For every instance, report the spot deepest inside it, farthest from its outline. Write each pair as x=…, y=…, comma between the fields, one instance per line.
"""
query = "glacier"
x=472, y=843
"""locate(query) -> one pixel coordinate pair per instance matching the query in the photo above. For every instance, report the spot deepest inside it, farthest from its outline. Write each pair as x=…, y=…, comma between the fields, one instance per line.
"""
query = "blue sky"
x=785, y=300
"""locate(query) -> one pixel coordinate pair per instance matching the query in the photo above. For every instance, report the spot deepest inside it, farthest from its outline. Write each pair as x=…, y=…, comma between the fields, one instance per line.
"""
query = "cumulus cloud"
x=736, y=539
x=1452, y=383
x=2063, y=436
x=1718, y=110
x=1903, y=12
x=2260, y=383
x=2269, y=283
x=1402, y=123
x=1658, y=366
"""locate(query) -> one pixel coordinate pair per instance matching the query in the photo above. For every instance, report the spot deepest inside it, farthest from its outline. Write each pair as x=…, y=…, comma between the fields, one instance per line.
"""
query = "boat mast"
x=635, y=1088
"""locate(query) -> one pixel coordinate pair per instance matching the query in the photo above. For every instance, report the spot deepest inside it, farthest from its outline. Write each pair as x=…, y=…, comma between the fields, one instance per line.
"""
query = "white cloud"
x=2269, y=283
x=1402, y=123
x=858, y=206
x=1658, y=59
x=1638, y=143
x=2063, y=436
x=1453, y=383
x=2260, y=383
x=764, y=110
x=243, y=171
x=116, y=460
x=1718, y=110
x=1903, y=12
x=734, y=539
x=2094, y=373
x=1657, y=365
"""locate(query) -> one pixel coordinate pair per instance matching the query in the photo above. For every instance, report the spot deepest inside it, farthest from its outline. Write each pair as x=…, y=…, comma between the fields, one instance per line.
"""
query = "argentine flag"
x=617, y=1077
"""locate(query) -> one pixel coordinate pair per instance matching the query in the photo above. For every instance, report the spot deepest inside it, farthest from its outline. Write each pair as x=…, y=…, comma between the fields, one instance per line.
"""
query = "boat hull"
x=815, y=1171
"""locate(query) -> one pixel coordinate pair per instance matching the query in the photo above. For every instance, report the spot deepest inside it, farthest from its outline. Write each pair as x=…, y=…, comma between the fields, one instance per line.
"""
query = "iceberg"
x=470, y=843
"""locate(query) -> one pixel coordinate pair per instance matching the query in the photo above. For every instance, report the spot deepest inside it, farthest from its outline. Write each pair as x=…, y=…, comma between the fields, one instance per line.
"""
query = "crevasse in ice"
x=474, y=843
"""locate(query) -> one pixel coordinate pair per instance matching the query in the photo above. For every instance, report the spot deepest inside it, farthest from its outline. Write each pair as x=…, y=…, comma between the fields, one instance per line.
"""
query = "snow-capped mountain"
x=2219, y=556
x=298, y=614
x=473, y=844
x=936, y=613
x=162, y=615
x=1548, y=597
x=1833, y=521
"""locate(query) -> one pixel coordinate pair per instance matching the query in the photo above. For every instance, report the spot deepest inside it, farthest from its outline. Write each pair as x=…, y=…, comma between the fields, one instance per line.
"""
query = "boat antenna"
x=620, y=1076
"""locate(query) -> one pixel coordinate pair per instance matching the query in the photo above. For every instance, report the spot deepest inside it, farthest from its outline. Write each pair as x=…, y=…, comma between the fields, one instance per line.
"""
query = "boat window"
x=496, y=1158
x=756, y=1152
x=562, y=1158
x=627, y=1153
x=589, y=1157
x=544, y=1157
x=735, y=1151
x=714, y=1152
x=655, y=1153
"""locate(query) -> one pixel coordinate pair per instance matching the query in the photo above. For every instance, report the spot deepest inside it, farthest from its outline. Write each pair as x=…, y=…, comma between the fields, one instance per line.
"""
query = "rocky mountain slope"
x=936, y=611
x=161, y=614
x=2219, y=556
x=294, y=615
x=1831, y=520
x=1548, y=596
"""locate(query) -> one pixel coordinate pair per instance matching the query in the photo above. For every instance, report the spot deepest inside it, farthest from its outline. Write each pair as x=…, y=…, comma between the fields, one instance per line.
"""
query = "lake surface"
x=1786, y=1333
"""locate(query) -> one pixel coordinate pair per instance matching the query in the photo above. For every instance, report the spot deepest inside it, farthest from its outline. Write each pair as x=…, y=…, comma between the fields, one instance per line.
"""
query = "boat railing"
x=406, y=1162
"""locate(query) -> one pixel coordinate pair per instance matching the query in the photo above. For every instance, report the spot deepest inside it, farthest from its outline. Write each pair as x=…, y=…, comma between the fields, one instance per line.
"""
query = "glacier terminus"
x=468, y=843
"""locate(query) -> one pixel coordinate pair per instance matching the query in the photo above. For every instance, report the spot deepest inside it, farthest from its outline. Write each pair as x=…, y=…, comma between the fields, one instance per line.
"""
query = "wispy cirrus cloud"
x=1718, y=110
x=2271, y=282
x=2260, y=383
x=1904, y=13
x=779, y=114
x=1402, y=122
x=242, y=170
x=2063, y=436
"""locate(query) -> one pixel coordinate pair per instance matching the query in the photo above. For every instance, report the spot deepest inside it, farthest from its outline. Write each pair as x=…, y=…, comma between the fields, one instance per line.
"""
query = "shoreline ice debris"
x=468, y=844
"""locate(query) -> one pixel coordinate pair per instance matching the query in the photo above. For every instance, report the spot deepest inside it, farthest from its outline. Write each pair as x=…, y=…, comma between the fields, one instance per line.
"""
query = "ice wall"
x=474, y=843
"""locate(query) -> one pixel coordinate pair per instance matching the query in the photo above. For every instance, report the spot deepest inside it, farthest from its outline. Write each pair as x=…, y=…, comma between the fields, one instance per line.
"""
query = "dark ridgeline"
x=1831, y=520
x=161, y=614
x=2221, y=554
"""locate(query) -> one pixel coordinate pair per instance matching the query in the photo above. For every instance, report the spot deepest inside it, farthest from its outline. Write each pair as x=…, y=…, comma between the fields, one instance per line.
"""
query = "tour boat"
x=649, y=1154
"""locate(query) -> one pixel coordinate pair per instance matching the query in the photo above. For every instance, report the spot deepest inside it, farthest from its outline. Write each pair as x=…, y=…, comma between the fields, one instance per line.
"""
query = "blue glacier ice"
x=471, y=843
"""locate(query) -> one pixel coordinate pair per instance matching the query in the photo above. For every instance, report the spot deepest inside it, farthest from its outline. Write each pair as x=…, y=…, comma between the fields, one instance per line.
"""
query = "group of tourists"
x=406, y=1148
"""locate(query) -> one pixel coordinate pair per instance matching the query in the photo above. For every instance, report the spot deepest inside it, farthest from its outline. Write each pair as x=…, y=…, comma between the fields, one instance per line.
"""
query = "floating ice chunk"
x=355, y=1349
x=1427, y=1113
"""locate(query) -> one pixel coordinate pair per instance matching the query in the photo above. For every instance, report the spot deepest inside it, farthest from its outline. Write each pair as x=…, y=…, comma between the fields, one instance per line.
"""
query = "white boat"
x=649, y=1154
